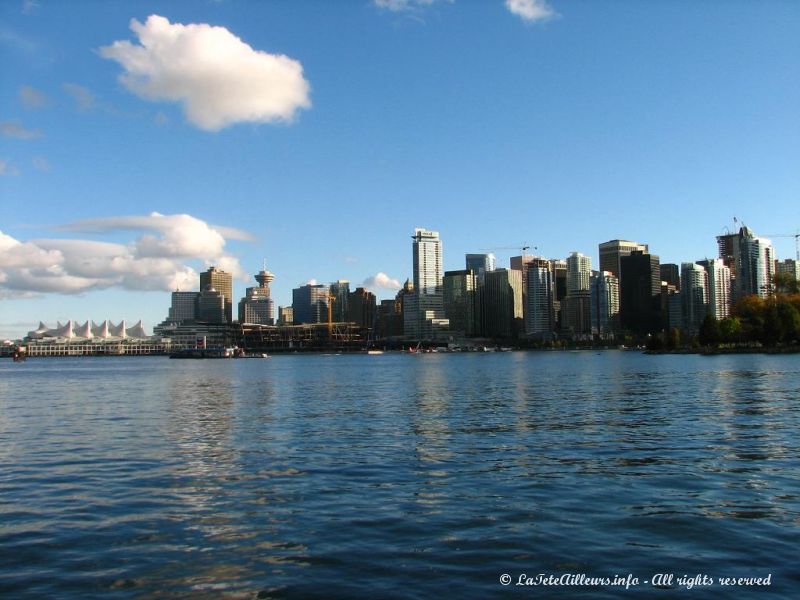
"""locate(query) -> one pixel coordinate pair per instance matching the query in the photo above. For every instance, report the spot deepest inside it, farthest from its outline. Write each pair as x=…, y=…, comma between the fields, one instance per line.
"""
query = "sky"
x=141, y=142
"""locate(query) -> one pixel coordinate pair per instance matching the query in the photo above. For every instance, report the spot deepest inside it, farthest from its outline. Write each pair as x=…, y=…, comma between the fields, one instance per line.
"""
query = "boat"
x=374, y=351
x=204, y=353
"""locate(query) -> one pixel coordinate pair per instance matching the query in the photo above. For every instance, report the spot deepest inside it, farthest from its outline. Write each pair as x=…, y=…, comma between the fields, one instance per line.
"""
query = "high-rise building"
x=611, y=254
x=211, y=305
x=539, y=316
x=755, y=265
x=604, y=290
x=559, y=269
x=480, y=264
x=719, y=287
x=423, y=311
x=671, y=273
x=362, y=308
x=223, y=283
x=502, y=303
x=184, y=307
x=257, y=305
x=285, y=315
x=694, y=296
x=579, y=271
x=340, y=294
x=640, y=293
x=725, y=245
x=521, y=264
x=310, y=304
x=460, y=296
x=788, y=267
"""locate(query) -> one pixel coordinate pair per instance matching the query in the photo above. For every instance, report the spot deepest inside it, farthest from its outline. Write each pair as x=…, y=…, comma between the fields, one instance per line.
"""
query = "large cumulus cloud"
x=155, y=260
x=219, y=79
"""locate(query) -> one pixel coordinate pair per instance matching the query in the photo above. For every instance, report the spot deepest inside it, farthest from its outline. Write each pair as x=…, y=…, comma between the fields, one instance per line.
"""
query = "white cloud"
x=402, y=5
x=219, y=79
x=29, y=7
x=84, y=99
x=156, y=260
x=311, y=282
x=381, y=281
x=531, y=10
x=13, y=129
x=31, y=97
x=7, y=169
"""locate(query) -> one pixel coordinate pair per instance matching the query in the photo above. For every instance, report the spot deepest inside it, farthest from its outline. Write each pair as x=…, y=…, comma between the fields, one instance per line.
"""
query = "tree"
x=730, y=329
x=785, y=283
x=709, y=331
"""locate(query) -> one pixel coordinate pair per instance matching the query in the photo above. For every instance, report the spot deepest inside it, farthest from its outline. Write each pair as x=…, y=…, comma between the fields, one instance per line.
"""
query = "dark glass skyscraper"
x=640, y=293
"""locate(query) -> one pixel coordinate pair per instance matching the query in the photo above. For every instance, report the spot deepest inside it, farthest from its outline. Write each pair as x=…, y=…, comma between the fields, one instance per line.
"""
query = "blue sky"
x=654, y=121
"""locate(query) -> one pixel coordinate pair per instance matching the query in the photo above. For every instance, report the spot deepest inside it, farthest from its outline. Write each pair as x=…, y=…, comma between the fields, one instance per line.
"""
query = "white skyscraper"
x=755, y=265
x=424, y=313
x=694, y=296
x=579, y=271
x=719, y=288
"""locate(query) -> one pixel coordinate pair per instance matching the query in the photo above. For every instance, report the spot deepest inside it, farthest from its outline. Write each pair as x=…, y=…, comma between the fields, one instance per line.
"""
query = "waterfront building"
x=460, y=297
x=539, y=316
x=502, y=303
x=755, y=265
x=339, y=295
x=604, y=306
x=183, y=307
x=310, y=304
x=74, y=330
x=211, y=305
x=480, y=264
x=257, y=305
x=671, y=274
x=694, y=296
x=640, y=293
x=788, y=267
x=612, y=252
x=361, y=308
x=223, y=283
x=719, y=287
x=423, y=310
x=285, y=315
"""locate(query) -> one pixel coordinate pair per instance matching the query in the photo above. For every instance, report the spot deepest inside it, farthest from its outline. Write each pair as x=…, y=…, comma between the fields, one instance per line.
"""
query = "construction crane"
x=795, y=235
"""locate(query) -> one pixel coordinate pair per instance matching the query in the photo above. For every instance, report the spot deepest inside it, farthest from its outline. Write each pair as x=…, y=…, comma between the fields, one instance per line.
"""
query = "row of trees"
x=769, y=321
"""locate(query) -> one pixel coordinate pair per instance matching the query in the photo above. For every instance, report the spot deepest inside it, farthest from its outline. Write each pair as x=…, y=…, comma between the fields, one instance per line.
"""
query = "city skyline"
x=574, y=129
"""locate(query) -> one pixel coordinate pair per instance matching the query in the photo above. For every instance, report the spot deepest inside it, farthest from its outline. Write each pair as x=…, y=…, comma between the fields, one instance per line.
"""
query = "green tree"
x=789, y=318
x=785, y=283
x=709, y=331
x=730, y=330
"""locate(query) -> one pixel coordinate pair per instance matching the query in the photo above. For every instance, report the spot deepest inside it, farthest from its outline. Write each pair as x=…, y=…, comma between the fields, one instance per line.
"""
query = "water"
x=398, y=476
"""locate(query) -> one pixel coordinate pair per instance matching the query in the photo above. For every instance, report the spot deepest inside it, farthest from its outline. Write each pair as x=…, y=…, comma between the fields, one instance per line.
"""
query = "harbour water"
x=399, y=476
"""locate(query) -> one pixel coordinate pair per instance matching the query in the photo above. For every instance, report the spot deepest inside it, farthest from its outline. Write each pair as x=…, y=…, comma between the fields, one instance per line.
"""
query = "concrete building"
x=719, y=287
x=310, y=304
x=611, y=254
x=183, y=307
x=694, y=296
x=211, y=306
x=788, y=267
x=502, y=303
x=257, y=306
x=340, y=294
x=423, y=311
x=285, y=315
x=604, y=292
x=539, y=314
x=579, y=272
x=361, y=308
x=671, y=273
x=755, y=265
x=640, y=293
x=223, y=283
x=460, y=296
x=576, y=307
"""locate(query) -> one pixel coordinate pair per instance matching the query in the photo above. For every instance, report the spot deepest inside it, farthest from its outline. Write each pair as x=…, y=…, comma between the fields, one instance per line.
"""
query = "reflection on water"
x=394, y=475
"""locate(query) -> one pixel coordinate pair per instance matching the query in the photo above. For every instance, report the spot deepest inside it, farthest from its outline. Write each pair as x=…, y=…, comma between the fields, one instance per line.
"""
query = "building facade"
x=755, y=265
x=640, y=293
x=257, y=306
x=604, y=291
x=502, y=303
x=480, y=264
x=460, y=296
x=223, y=283
x=310, y=304
x=694, y=296
x=612, y=252
x=423, y=310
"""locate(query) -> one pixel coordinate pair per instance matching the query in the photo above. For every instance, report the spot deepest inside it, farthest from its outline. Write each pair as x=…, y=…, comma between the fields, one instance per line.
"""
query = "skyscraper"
x=604, y=290
x=310, y=304
x=671, y=273
x=694, y=296
x=611, y=254
x=540, y=316
x=184, y=307
x=480, y=264
x=460, y=289
x=257, y=305
x=640, y=293
x=576, y=307
x=719, y=287
x=423, y=311
x=502, y=303
x=211, y=305
x=361, y=308
x=340, y=290
x=223, y=283
x=755, y=265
